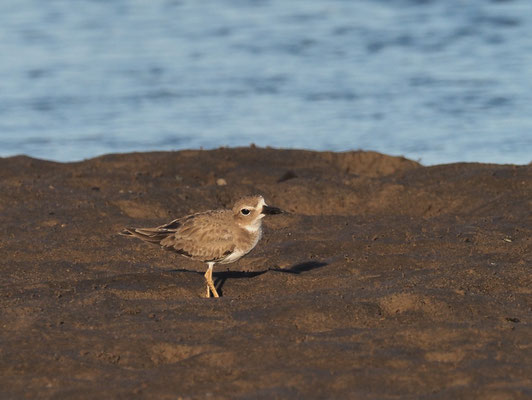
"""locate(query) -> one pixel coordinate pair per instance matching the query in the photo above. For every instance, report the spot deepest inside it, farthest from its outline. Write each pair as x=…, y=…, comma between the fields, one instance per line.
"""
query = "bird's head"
x=249, y=211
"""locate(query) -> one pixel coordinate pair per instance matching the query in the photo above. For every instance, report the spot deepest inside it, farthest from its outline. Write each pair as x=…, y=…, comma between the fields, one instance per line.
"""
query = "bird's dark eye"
x=244, y=211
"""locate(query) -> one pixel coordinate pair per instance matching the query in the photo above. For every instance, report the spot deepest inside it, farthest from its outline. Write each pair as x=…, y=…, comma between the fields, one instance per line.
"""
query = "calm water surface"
x=440, y=81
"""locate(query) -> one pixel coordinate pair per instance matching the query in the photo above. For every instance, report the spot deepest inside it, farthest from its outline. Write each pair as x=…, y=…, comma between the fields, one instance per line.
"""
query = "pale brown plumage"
x=216, y=236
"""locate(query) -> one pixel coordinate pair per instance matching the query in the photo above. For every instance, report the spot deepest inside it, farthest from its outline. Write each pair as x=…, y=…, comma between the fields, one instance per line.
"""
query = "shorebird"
x=214, y=236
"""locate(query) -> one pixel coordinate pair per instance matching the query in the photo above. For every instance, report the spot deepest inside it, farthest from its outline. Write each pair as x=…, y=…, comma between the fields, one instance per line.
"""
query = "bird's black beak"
x=267, y=210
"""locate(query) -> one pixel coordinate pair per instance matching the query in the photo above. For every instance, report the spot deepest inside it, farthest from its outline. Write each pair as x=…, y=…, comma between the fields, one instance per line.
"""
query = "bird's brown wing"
x=201, y=237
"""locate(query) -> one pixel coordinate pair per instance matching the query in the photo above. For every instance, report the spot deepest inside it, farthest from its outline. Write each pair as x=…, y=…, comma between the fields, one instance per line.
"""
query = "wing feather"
x=198, y=236
x=203, y=240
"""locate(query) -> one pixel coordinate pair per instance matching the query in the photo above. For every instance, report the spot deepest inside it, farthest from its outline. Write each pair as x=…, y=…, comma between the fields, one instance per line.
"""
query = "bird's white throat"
x=254, y=226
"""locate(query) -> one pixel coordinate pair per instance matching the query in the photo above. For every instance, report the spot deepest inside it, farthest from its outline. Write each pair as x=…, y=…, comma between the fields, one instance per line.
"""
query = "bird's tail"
x=151, y=235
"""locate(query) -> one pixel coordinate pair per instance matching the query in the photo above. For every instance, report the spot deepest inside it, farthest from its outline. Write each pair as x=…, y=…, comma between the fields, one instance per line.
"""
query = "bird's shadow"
x=222, y=276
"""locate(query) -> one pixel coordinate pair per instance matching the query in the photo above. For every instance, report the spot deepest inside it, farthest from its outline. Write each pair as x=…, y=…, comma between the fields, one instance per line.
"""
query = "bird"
x=219, y=236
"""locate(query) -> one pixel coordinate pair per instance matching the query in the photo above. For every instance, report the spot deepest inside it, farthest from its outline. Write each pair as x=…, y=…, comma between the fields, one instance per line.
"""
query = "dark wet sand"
x=386, y=280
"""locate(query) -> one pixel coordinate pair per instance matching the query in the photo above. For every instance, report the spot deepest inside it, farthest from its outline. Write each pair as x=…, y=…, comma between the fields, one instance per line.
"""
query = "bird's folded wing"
x=201, y=242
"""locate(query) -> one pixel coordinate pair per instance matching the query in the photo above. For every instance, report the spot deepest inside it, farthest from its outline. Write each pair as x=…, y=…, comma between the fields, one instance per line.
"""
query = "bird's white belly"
x=235, y=255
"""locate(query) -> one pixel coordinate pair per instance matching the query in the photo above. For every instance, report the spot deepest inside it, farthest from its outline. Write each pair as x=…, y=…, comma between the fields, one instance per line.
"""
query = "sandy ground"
x=384, y=280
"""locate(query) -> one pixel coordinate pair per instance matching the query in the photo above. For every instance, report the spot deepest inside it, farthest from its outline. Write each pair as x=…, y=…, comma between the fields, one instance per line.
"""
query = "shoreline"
x=252, y=146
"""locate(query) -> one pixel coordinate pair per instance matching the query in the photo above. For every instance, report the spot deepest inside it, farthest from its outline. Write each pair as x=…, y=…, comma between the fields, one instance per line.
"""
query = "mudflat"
x=384, y=280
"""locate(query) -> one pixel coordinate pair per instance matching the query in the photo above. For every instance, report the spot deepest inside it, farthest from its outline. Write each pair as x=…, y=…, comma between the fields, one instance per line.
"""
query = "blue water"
x=433, y=80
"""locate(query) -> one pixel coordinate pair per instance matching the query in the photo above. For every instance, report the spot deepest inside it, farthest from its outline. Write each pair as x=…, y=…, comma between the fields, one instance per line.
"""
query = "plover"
x=214, y=236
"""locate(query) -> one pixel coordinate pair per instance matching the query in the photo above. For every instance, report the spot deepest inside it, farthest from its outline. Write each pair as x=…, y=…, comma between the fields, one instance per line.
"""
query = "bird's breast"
x=244, y=243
